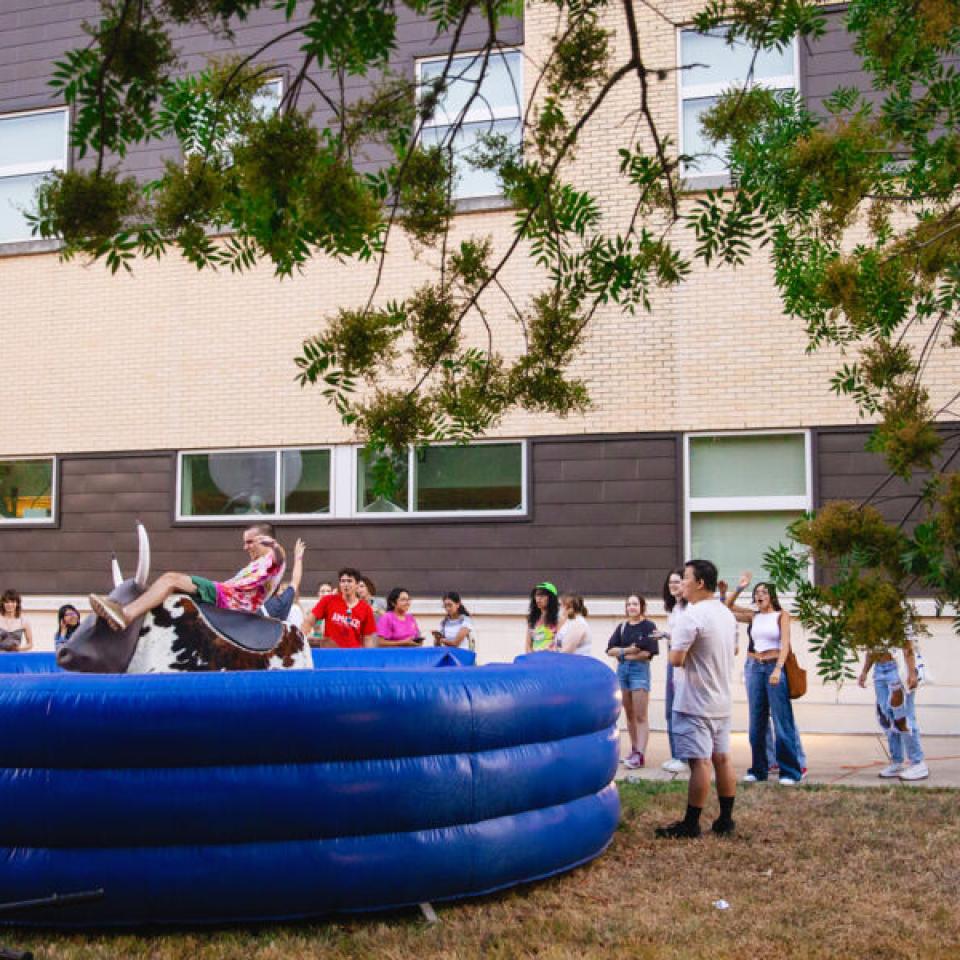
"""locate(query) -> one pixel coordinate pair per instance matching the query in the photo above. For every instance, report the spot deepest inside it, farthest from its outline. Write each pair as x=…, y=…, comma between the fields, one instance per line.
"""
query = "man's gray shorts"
x=699, y=738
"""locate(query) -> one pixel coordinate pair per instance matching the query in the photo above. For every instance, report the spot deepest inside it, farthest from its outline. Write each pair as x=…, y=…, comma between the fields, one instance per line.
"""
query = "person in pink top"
x=398, y=627
x=246, y=590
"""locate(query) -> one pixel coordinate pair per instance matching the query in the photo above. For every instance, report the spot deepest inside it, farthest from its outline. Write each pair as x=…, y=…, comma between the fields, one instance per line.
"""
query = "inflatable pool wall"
x=381, y=779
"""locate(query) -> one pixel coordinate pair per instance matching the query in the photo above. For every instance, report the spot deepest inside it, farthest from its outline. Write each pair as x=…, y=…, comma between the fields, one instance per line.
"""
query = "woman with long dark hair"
x=542, y=618
x=68, y=619
x=767, y=693
x=456, y=625
x=675, y=605
x=398, y=627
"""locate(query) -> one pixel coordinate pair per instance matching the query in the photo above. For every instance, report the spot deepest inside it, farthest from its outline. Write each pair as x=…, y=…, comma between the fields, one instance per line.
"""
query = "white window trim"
x=753, y=504
x=698, y=91
x=50, y=521
x=478, y=112
x=357, y=514
x=233, y=518
x=11, y=170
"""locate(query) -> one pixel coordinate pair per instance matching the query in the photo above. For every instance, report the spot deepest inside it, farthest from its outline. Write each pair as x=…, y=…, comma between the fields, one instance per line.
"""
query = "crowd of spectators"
x=348, y=613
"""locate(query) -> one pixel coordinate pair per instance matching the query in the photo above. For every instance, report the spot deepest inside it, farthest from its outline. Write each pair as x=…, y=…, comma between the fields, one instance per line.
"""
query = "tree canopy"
x=856, y=205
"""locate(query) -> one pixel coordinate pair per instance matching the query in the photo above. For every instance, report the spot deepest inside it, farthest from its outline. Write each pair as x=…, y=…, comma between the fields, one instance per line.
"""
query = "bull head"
x=94, y=647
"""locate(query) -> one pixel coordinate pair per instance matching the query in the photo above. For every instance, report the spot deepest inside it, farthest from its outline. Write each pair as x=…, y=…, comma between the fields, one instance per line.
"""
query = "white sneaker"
x=788, y=782
x=675, y=766
x=888, y=773
x=916, y=771
x=749, y=778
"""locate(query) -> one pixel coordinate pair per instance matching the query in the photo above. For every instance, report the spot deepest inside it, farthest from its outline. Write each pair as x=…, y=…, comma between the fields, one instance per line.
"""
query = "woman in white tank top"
x=767, y=693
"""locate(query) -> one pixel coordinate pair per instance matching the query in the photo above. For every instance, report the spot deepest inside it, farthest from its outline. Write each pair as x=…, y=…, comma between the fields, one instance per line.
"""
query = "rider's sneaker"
x=916, y=771
x=109, y=611
x=891, y=771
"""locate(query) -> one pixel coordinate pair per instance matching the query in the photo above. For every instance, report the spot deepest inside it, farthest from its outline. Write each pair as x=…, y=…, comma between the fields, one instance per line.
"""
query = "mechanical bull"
x=181, y=635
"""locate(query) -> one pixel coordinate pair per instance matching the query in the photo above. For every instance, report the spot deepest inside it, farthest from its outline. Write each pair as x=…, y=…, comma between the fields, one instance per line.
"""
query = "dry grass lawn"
x=814, y=873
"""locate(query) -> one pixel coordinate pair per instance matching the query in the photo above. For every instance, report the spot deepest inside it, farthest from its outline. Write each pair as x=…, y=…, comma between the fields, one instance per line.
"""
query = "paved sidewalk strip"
x=852, y=760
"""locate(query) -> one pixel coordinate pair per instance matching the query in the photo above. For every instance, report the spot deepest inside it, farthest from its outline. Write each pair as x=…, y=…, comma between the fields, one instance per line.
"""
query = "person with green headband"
x=542, y=618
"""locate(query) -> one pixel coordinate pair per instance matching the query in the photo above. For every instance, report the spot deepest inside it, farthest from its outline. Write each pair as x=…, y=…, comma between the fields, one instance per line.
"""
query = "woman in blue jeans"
x=896, y=712
x=767, y=693
x=675, y=605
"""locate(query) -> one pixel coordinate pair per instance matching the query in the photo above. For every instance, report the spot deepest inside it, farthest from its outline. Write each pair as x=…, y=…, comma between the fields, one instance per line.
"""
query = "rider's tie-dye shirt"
x=248, y=589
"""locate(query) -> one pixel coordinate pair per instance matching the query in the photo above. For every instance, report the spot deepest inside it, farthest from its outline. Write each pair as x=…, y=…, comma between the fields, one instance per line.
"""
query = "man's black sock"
x=692, y=819
x=726, y=808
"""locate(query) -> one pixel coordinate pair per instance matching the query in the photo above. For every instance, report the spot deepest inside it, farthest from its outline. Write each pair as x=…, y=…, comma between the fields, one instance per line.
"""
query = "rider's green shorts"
x=206, y=590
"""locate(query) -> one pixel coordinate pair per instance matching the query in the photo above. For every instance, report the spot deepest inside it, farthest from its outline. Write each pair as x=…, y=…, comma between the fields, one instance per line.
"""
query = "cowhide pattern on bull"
x=175, y=637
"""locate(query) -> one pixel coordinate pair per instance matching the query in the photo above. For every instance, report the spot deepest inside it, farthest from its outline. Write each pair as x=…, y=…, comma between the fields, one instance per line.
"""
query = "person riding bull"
x=246, y=590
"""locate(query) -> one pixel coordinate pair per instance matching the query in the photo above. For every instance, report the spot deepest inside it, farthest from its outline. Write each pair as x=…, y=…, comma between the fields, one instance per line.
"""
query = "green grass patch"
x=813, y=873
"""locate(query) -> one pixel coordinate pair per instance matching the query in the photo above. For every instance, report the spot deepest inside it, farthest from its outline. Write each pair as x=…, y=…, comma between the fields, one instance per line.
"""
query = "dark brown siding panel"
x=34, y=35
x=600, y=535
x=846, y=471
x=830, y=62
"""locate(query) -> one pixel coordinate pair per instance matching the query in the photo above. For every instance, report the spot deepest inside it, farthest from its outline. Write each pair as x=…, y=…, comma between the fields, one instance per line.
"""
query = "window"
x=495, y=109
x=265, y=102
x=743, y=491
x=477, y=479
x=31, y=146
x=397, y=501
x=27, y=490
x=337, y=482
x=270, y=483
x=714, y=66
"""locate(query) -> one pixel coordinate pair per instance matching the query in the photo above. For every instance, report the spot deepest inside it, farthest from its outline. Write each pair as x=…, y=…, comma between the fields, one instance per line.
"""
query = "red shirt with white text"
x=345, y=626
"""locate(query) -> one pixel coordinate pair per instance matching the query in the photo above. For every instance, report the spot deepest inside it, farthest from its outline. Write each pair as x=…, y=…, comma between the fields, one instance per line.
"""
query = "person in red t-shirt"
x=348, y=621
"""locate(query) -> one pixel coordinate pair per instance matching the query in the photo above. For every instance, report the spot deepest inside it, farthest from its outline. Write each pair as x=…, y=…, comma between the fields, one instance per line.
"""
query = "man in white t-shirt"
x=703, y=643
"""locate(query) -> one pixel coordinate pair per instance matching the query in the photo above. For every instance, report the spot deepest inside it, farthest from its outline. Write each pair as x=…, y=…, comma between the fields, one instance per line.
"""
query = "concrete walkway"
x=851, y=760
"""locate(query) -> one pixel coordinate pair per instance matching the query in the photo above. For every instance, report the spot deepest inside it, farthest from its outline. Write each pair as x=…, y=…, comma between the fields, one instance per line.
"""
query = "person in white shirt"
x=456, y=627
x=573, y=635
x=703, y=643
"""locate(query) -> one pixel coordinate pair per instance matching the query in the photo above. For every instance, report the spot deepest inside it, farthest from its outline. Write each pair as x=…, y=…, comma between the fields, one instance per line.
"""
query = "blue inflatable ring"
x=380, y=779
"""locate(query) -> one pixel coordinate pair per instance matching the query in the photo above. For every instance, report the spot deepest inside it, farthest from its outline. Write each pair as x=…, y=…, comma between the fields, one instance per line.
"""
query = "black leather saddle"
x=249, y=630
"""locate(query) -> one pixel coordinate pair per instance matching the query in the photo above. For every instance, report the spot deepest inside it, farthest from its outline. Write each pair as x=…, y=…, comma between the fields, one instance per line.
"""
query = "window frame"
x=408, y=514
x=693, y=179
x=181, y=517
x=746, y=504
x=9, y=171
x=469, y=118
x=54, y=518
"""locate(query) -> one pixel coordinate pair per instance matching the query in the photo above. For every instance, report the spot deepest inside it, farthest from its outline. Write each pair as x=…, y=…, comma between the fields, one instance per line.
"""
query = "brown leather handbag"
x=796, y=676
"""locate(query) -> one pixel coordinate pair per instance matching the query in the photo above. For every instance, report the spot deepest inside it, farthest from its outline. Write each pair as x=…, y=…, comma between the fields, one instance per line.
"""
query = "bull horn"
x=143, y=558
x=115, y=569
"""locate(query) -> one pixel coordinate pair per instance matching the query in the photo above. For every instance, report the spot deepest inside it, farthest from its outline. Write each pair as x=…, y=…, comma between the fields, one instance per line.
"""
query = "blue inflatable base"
x=383, y=778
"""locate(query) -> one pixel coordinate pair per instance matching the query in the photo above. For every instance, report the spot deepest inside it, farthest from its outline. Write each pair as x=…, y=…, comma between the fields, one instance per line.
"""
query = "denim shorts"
x=634, y=674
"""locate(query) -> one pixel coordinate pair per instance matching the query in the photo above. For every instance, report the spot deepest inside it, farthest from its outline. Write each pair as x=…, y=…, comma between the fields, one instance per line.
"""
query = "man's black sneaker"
x=724, y=828
x=681, y=830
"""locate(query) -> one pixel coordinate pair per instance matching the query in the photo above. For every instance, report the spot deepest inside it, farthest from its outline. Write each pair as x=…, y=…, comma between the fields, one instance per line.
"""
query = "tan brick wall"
x=173, y=358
